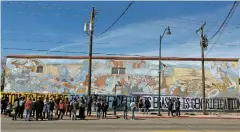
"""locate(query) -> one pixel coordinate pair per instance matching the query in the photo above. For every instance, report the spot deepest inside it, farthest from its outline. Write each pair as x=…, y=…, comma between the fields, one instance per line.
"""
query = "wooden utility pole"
x=203, y=46
x=91, y=29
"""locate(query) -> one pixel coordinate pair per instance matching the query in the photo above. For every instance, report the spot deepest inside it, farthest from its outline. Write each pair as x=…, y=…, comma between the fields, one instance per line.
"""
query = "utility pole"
x=90, y=25
x=203, y=44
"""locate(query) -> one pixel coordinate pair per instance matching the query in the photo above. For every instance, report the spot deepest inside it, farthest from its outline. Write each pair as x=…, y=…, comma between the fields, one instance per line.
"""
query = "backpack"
x=75, y=105
x=99, y=105
x=177, y=104
x=16, y=105
x=21, y=104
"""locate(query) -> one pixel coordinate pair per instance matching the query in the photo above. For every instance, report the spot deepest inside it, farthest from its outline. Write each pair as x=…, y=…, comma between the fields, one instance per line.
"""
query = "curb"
x=93, y=117
x=159, y=117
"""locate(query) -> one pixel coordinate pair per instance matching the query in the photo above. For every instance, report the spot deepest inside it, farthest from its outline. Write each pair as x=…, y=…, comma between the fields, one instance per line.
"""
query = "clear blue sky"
x=48, y=25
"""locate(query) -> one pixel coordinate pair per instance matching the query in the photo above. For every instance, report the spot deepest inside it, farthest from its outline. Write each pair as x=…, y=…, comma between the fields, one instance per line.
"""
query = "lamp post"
x=160, y=57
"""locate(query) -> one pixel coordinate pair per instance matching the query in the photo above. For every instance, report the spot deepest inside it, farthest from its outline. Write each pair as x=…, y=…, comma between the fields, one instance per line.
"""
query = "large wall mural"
x=179, y=78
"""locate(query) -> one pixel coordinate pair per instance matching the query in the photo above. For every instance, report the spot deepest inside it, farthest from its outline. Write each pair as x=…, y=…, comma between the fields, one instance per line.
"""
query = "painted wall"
x=179, y=78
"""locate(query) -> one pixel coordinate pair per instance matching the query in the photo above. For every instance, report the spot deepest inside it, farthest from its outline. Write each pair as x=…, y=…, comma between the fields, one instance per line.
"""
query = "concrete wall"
x=179, y=78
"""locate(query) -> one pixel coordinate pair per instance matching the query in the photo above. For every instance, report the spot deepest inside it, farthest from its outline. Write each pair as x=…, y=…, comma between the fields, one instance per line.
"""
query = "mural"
x=179, y=78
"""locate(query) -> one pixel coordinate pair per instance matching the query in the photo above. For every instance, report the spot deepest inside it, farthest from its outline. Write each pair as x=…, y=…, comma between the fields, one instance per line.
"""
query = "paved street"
x=117, y=125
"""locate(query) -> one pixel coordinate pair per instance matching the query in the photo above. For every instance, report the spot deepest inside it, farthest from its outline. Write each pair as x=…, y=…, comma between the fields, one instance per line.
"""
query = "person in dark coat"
x=22, y=107
x=140, y=104
x=39, y=108
x=3, y=105
x=33, y=108
x=114, y=106
x=125, y=109
x=170, y=107
x=177, y=107
x=51, y=108
x=81, y=108
x=98, y=108
x=89, y=106
x=147, y=105
x=104, y=109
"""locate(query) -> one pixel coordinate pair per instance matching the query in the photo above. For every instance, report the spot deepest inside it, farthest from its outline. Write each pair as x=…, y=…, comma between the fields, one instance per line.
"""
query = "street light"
x=159, y=71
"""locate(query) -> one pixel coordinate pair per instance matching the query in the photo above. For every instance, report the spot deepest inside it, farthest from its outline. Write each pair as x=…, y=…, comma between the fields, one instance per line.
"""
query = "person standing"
x=89, y=106
x=140, y=104
x=67, y=104
x=33, y=108
x=104, y=109
x=16, y=109
x=177, y=107
x=114, y=106
x=170, y=107
x=75, y=106
x=70, y=107
x=82, y=108
x=125, y=109
x=98, y=108
x=28, y=108
x=39, y=108
x=61, y=109
x=22, y=106
x=3, y=105
x=51, y=108
x=133, y=108
x=147, y=105
x=46, y=108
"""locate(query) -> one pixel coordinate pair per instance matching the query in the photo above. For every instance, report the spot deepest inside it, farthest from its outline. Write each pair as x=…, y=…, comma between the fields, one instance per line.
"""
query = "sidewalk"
x=154, y=116
x=165, y=115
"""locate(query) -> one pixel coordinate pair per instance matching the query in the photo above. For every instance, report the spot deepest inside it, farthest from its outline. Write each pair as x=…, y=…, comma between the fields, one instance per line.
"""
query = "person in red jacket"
x=61, y=109
x=28, y=107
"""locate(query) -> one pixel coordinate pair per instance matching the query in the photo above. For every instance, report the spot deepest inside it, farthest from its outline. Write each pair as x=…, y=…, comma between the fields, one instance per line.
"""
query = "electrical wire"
x=45, y=6
x=44, y=41
x=73, y=34
x=72, y=52
x=116, y=19
x=58, y=51
x=229, y=13
x=98, y=43
x=230, y=16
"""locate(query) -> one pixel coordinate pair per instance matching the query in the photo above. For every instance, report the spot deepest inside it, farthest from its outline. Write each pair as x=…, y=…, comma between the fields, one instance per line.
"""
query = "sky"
x=59, y=26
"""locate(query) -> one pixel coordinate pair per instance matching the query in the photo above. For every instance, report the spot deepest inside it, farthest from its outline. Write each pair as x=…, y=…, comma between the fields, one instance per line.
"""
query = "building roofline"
x=122, y=58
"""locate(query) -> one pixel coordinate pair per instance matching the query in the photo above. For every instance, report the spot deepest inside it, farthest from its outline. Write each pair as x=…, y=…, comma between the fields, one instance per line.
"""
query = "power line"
x=44, y=41
x=230, y=16
x=116, y=19
x=72, y=52
x=99, y=43
x=58, y=51
x=73, y=34
x=46, y=6
x=229, y=13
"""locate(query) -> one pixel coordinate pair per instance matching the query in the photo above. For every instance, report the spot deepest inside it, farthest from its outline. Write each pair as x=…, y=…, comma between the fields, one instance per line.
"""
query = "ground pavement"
x=120, y=125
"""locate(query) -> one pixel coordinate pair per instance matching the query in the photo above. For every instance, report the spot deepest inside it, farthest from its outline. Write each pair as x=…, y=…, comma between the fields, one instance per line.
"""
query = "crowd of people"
x=52, y=109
